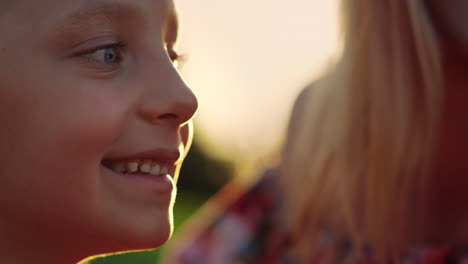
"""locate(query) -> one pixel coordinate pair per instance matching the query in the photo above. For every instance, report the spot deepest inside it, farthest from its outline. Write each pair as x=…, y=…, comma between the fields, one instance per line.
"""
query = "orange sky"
x=247, y=60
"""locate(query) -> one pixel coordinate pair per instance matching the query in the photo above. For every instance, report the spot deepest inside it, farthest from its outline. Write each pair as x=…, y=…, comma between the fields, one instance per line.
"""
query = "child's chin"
x=132, y=244
x=148, y=241
x=148, y=238
x=136, y=237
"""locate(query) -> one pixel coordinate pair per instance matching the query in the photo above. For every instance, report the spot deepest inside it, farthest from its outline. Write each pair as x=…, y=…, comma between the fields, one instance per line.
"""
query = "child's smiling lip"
x=157, y=179
x=167, y=156
x=166, y=159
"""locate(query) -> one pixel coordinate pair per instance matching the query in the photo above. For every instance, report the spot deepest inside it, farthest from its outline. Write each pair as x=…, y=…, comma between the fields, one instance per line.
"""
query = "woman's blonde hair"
x=367, y=131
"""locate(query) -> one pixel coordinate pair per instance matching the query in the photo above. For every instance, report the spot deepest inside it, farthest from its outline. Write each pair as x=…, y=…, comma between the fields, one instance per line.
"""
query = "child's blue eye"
x=107, y=55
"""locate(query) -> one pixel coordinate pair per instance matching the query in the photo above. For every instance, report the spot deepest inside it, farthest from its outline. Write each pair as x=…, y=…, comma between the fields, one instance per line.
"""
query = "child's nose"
x=168, y=99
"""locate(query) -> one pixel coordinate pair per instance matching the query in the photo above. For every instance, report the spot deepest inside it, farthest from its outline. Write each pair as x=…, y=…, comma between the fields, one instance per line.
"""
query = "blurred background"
x=246, y=60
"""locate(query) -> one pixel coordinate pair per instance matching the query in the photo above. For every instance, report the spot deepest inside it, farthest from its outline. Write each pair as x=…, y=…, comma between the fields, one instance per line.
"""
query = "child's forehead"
x=121, y=8
x=55, y=15
x=89, y=7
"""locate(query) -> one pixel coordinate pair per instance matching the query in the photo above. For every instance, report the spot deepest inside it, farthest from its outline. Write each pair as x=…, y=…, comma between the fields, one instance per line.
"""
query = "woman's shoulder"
x=246, y=229
x=233, y=227
x=435, y=255
x=342, y=251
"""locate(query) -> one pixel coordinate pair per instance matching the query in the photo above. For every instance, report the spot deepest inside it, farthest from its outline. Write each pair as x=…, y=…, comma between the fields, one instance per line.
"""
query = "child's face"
x=88, y=88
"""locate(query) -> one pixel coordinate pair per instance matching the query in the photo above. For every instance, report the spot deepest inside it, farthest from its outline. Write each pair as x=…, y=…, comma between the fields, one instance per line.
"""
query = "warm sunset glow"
x=247, y=60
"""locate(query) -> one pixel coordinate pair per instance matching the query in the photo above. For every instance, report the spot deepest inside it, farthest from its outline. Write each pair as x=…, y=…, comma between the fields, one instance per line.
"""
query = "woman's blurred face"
x=451, y=18
x=94, y=122
x=451, y=157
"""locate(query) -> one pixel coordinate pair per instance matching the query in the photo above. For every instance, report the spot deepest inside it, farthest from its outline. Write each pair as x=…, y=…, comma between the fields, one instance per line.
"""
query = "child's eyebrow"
x=110, y=12
x=123, y=13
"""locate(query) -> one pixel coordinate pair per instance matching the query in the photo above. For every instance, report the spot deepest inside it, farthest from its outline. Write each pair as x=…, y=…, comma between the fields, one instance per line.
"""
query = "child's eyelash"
x=117, y=45
x=120, y=45
x=178, y=59
x=173, y=55
x=109, y=55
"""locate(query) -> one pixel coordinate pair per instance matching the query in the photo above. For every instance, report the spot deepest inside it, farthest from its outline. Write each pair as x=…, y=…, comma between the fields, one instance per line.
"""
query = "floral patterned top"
x=248, y=232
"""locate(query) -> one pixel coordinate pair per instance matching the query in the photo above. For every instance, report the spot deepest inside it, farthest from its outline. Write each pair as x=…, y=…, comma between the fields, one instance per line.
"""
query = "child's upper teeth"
x=119, y=167
x=132, y=166
x=156, y=170
x=163, y=170
x=144, y=166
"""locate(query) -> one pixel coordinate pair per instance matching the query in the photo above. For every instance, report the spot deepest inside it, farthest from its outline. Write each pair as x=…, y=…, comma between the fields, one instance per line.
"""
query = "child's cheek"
x=96, y=122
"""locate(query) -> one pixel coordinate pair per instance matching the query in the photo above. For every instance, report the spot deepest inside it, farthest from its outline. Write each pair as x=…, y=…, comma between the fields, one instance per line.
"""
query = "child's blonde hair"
x=368, y=130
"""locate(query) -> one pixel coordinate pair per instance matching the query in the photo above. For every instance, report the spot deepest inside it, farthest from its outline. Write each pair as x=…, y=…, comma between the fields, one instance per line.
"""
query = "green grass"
x=186, y=205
